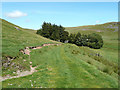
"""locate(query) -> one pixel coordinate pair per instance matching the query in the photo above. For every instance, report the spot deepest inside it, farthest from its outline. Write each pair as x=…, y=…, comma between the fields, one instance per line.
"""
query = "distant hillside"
x=111, y=26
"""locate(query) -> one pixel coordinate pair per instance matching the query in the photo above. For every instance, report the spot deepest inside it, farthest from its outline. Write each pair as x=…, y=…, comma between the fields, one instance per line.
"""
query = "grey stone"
x=5, y=65
x=17, y=28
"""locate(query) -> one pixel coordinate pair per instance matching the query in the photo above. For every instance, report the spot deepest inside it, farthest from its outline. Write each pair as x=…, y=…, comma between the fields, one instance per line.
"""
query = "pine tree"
x=72, y=38
x=84, y=40
x=64, y=36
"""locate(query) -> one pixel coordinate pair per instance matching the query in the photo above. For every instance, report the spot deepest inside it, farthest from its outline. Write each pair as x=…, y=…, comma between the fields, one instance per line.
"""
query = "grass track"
x=59, y=68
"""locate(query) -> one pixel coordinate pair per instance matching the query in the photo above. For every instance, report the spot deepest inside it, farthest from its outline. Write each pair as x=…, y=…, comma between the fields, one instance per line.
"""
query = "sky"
x=31, y=15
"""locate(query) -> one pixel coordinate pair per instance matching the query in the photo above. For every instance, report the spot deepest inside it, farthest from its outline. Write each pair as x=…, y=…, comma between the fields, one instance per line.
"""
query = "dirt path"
x=20, y=74
x=25, y=73
x=27, y=49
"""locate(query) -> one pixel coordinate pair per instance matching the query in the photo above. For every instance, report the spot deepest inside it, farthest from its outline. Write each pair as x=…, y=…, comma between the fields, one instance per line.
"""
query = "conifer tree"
x=72, y=38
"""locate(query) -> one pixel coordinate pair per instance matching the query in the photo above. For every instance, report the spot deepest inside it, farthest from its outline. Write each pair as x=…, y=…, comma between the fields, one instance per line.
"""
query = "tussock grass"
x=64, y=66
x=58, y=67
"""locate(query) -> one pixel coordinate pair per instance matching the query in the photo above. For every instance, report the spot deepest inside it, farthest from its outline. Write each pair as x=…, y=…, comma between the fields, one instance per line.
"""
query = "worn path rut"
x=33, y=69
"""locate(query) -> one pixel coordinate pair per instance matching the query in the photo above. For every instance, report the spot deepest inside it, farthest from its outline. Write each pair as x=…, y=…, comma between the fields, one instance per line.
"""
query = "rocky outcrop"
x=20, y=74
x=6, y=63
x=17, y=28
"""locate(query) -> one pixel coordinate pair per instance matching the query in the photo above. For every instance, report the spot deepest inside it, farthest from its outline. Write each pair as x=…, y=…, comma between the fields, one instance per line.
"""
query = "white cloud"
x=15, y=14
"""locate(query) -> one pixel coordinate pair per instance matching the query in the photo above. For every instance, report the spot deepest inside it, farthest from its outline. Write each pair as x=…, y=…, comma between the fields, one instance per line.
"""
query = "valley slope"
x=62, y=66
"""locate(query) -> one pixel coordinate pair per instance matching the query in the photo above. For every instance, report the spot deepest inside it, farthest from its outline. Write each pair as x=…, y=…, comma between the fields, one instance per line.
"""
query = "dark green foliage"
x=53, y=32
x=57, y=33
x=95, y=41
x=72, y=38
x=39, y=31
x=55, y=36
x=84, y=40
x=91, y=40
x=64, y=36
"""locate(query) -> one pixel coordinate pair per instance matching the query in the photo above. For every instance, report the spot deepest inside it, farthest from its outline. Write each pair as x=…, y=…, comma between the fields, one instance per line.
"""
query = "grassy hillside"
x=63, y=66
x=109, y=33
x=106, y=27
x=13, y=40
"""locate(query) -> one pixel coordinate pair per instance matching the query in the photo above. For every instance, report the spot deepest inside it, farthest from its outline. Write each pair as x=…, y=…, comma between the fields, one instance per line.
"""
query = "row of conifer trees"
x=58, y=33
x=53, y=32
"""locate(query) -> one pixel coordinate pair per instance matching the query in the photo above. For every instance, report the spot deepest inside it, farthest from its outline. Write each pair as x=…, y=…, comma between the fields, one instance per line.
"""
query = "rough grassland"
x=58, y=67
x=109, y=33
x=64, y=66
x=13, y=40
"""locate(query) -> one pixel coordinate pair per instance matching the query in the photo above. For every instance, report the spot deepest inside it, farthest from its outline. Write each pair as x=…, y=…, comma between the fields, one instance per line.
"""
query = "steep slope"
x=13, y=40
x=62, y=66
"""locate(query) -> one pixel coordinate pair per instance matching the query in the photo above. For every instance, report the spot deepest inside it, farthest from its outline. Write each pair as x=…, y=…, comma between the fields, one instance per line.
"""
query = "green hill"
x=63, y=66
x=106, y=27
x=13, y=40
x=109, y=33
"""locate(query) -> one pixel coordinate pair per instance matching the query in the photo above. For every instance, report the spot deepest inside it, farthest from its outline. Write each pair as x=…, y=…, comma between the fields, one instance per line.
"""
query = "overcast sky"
x=68, y=14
